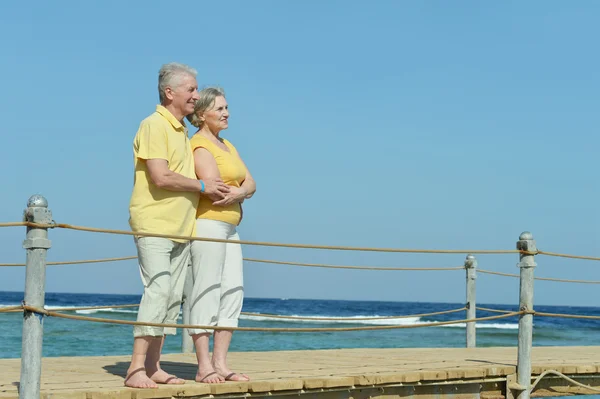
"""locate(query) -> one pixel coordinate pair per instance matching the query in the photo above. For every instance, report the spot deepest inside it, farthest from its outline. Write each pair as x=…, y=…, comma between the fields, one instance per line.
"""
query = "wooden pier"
x=326, y=374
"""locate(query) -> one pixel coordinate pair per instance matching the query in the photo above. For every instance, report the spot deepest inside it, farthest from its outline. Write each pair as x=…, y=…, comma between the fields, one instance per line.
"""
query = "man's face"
x=184, y=96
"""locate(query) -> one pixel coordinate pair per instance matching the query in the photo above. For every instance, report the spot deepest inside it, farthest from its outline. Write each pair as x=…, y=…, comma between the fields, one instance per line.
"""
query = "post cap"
x=526, y=236
x=470, y=261
x=37, y=201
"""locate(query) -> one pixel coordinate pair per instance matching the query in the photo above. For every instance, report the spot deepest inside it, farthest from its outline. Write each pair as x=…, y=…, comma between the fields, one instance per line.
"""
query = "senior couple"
x=187, y=187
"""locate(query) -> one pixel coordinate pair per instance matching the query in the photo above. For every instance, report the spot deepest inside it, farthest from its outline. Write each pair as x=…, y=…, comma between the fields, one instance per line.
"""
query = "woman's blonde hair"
x=206, y=100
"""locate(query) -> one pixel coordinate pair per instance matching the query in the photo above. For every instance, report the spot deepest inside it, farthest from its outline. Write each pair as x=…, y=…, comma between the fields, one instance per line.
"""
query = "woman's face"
x=216, y=117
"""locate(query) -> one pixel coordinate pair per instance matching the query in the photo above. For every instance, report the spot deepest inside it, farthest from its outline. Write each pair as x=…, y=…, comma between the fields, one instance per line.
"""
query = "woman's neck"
x=206, y=132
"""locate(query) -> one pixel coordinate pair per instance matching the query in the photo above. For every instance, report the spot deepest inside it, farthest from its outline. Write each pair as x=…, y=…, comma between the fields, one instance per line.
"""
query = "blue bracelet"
x=201, y=186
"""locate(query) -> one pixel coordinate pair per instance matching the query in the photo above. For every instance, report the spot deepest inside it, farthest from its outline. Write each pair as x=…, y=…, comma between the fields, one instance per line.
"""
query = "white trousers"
x=218, y=291
x=162, y=266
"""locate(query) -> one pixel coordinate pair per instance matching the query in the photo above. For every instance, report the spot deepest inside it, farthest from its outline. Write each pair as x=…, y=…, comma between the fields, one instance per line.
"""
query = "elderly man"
x=164, y=200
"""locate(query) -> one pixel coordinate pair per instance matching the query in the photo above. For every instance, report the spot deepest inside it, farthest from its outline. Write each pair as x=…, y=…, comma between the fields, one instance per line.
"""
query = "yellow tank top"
x=233, y=173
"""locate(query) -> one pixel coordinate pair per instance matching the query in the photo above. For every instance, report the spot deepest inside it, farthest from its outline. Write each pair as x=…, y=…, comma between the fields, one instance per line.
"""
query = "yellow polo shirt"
x=153, y=209
x=231, y=170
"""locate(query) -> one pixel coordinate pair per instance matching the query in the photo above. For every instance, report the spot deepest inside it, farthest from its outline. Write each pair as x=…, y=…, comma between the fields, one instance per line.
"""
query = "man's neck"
x=175, y=112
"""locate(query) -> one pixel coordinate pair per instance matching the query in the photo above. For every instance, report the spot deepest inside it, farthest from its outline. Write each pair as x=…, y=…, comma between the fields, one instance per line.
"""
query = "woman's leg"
x=232, y=297
x=207, y=266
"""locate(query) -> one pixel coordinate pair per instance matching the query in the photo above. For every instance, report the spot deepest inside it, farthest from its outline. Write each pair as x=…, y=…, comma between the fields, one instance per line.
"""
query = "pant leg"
x=180, y=257
x=207, y=266
x=154, y=256
x=232, y=283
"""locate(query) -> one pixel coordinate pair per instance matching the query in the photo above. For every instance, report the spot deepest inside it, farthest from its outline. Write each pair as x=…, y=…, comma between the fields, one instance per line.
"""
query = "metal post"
x=187, y=346
x=36, y=244
x=471, y=268
x=526, y=264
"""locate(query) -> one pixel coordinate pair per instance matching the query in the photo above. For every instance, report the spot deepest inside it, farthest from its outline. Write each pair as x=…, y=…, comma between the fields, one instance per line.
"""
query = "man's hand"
x=235, y=194
x=215, y=189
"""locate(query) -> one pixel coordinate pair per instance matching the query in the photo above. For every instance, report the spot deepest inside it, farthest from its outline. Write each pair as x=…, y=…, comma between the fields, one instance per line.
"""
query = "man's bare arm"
x=164, y=178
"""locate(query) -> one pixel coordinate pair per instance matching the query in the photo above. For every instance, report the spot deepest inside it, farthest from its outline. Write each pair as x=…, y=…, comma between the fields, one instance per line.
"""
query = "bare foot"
x=138, y=379
x=212, y=377
x=162, y=377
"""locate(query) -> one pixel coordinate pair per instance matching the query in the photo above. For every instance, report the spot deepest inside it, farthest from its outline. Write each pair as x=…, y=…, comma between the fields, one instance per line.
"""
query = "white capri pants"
x=217, y=268
x=163, y=263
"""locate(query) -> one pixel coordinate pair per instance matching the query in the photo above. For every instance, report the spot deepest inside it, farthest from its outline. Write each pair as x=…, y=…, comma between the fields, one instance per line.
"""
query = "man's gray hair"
x=170, y=76
x=207, y=99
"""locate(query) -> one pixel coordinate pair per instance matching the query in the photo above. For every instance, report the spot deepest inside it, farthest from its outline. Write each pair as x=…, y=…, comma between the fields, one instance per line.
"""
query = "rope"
x=13, y=224
x=533, y=312
x=273, y=244
x=541, y=278
x=493, y=310
x=567, y=255
x=74, y=262
x=353, y=318
x=572, y=381
x=275, y=316
x=566, y=316
x=19, y=308
x=276, y=262
x=137, y=323
x=9, y=309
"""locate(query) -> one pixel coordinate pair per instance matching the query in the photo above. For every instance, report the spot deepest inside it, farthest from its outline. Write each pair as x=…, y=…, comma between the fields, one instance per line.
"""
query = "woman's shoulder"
x=200, y=141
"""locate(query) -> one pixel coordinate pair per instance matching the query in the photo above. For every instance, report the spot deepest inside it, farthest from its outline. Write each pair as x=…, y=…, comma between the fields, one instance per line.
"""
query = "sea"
x=64, y=337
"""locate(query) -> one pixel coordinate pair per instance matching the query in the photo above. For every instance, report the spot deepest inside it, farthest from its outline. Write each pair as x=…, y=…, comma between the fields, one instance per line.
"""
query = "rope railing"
x=270, y=315
x=567, y=255
x=563, y=315
x=276, y=262
x=45, y=312
x=74, y=262
x=266, y=244
x=306, y=246
x=10, y=309
x=493, y=310
x=19, y=308
x=560, y=280
x=13, y=224
x=319, y=265
x=37, y=240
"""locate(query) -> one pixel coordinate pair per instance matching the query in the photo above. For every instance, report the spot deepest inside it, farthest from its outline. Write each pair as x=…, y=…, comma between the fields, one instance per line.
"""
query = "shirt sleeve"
x=151, y=142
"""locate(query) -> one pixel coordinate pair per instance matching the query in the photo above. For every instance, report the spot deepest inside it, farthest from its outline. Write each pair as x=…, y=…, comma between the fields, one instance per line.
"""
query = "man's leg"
x=232, y=297
x=180, y=257
x=136, y=374
x=154, y=256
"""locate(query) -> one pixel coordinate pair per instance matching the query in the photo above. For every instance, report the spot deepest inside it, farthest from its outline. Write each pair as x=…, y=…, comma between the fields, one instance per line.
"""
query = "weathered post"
x=187, y=346
x=527, y=264
x=36, y=243
x=471, y=268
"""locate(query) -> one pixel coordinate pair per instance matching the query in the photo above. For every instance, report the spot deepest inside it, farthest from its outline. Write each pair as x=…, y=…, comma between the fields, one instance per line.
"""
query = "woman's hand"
x=235, y=194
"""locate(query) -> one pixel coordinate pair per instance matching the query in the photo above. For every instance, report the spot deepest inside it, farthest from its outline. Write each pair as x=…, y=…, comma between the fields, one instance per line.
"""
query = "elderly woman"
x=218, y=290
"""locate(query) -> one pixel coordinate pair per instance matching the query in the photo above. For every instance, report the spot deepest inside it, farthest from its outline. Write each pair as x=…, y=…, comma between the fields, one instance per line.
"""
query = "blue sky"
x=442, y=125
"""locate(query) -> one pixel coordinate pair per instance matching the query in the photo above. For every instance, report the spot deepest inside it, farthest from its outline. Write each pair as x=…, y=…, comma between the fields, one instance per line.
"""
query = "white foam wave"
x=385, y=322
x=336, y=319
x=108, y=310
x=499, y=326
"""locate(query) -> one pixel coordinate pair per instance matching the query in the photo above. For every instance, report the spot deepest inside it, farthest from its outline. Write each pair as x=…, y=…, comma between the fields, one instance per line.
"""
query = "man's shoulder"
x=154, y=119
x=153, y=124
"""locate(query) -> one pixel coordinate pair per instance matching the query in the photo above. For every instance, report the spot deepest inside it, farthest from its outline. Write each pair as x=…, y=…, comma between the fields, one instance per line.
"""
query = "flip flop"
x=171, y=378
x=228, y=377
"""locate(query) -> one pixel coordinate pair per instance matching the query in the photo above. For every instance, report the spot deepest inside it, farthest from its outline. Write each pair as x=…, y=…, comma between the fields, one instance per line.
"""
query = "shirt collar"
x=169, y=116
